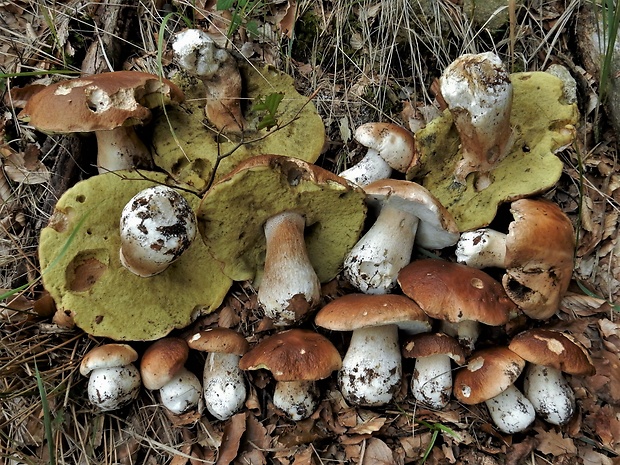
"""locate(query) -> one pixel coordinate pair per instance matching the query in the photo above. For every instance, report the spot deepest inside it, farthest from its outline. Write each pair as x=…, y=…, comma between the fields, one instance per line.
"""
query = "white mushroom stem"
x=181, y=393
x=298, y=399
x=432, y=380
x=549, y=392
x=289, y=286
x=482, y=248
x=372, y=367
x=373, y=264
x=121, y=149
x=114, y=387
x=466, y=331
x=511, y=411
x=369, y=169
x=223, y=385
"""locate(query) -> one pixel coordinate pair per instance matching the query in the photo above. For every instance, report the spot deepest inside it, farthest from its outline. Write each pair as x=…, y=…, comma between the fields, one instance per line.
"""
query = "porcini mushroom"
x=163, y=368
x=489, y=377
x=296, y=358
x=457, y=294
x=157, y=225
x=478, y=91
x=431, y=382
x=286, y=220
x=390, y=147
x=372, y=367
x=224, y=388
x=408, y=214
x=113, y=379
x=537, y=254
x=108, y=104
x=550, y=353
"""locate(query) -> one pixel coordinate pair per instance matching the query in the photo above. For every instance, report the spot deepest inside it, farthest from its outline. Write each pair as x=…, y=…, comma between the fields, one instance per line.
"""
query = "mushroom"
x=489, y=377
x=537, y=254
x=162, y=367
x=478, y=92
x=288, y=220
x=114, y=381
x=408, y=214
x=296, y=358
x=197, y=54
x=108, y=104
x=372, y=367
x=224, y=388
x=432, y=376
x=550, y=353
x=157, y=225
x=460, y=295
x=390, y=146
x=79, y=253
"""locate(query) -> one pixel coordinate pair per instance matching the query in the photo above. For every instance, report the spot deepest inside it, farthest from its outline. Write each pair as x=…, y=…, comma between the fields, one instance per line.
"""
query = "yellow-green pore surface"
x=234, y=211
x=79, y=254
x=541, y=123
x=186, y=148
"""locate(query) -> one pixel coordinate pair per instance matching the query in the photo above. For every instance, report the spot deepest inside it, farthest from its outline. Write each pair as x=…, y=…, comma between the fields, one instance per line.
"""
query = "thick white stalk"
x=373, y=264
x=182, y=393
x=372, y=367
x=549, y=392
x=482, y=248
x=298, y=399
x=466, y=331
x=511, y=411
x=432, y=380
x=121, y=149
x=289, y=287
x=369, y=169
x=223, y=385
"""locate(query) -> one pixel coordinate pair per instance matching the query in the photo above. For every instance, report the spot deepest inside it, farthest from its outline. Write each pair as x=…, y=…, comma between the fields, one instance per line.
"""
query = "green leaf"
x=224, y=4
x=268, y=104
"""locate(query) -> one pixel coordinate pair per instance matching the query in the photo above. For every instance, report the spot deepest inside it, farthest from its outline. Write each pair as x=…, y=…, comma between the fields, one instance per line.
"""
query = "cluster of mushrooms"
x=288, y=226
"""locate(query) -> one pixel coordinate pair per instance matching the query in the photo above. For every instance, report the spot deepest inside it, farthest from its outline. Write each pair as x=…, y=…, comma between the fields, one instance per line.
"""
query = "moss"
x=88, y=280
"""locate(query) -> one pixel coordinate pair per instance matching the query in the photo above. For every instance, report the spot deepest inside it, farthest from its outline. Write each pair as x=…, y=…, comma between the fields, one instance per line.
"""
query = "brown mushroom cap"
x=394, y=143
x=436, y=229
x=539, y=256
x=488, y=373
x=552, y=349
x=218, y=340
x=294, y=355
x=427, y=344
x=108, y=356
x=454, y=292
x=355, y=311
x=162, y=360
x=99, y=102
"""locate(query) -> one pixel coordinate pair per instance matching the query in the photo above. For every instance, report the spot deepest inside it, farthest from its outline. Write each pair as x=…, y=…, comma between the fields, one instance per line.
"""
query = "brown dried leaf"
x=286, y=22
x=377, y=452
x=368, y=425
x=553, y=443
x=233, y=431
x=26, y=168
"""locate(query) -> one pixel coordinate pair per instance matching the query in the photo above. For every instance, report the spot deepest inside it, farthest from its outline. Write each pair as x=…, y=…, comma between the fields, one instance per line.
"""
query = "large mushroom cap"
x=233, y=212
x=552, y=349
x=108, y=356
x=162, y=360
x=219, y=340
x=454, y=292
x=539, y=256
x=294, y=355
x=100, y=102
x=488, y=373
x=436, y=228
x=355, y=311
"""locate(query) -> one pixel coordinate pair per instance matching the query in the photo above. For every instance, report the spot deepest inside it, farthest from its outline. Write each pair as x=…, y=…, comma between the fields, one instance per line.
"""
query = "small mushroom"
x=114, y=381
x=550, y=353
x=432, y=376
x=408, y=214
x=296, y=358
x=157, y=225
x=372, y=367
x=537, y=254
x=390, y=146
x=224, y=388
x=163, y=368
x=285, y=223
x=108, y=104
x=460, y=295
x=478, y=91
x=489, y=377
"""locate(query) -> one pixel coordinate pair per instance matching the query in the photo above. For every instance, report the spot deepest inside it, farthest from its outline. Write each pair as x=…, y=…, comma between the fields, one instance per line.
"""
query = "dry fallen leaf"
x=377, y=453
x=553, y=443
x=233, y=431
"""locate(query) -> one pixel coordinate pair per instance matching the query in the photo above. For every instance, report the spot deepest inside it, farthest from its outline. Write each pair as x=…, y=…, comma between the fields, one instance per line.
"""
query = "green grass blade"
x=47, y=418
